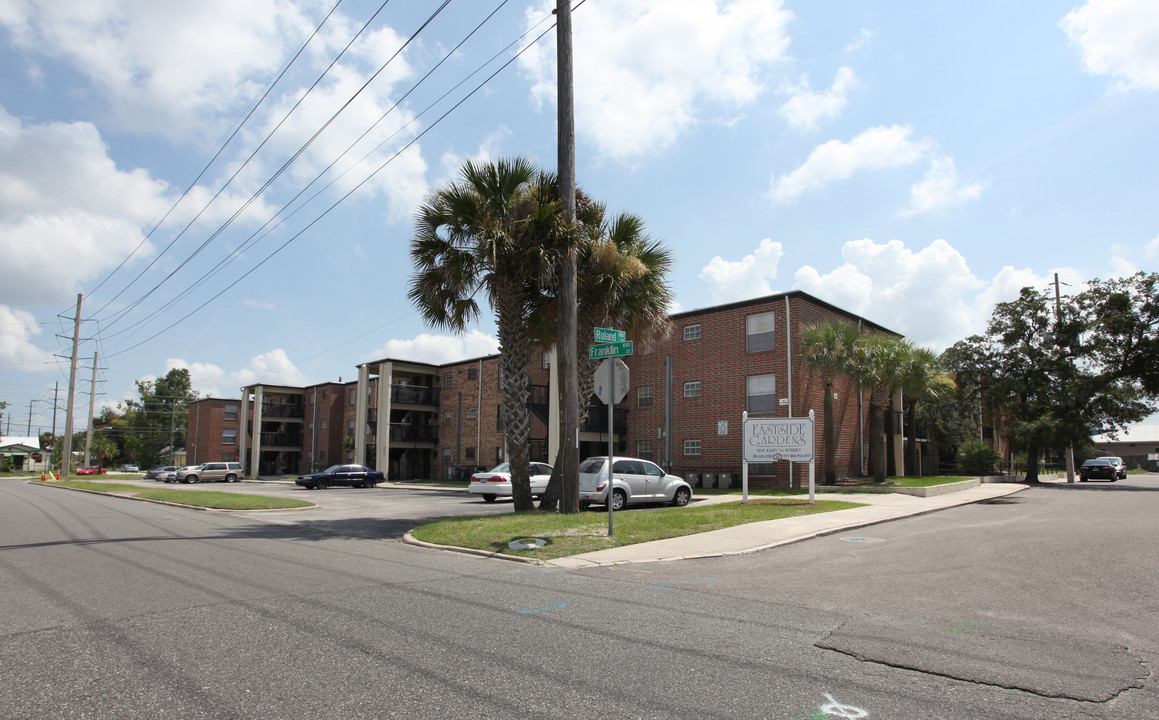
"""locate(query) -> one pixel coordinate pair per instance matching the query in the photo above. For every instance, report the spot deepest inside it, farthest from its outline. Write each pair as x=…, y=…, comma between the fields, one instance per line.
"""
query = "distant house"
x=19, y=451
x=1138, y=445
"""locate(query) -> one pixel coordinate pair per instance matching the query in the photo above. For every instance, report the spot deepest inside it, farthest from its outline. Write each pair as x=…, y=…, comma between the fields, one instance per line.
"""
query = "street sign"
x=616, y=349
x=604, y=335
x=36, y=456
x=609, y=388
x=772, y=439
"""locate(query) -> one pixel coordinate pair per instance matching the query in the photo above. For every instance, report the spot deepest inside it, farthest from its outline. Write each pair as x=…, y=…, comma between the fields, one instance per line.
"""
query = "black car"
x=356, y=475
x=1099, y=468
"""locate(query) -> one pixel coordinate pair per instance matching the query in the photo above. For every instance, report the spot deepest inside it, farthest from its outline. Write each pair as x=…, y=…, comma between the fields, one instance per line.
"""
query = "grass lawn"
x=196, y=498
x=588, y=531
x=890, y=482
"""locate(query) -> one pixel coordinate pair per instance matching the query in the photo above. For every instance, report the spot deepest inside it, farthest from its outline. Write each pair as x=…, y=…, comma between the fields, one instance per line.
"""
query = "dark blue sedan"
x=1099, y=468
x=355, y=475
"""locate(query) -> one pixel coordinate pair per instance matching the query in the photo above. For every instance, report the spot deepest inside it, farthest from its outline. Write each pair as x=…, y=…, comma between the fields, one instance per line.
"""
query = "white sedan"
x=497, y=481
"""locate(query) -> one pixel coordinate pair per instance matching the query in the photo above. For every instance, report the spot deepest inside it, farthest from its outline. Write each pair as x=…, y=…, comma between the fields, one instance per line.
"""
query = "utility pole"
x=92, y=402
x=66, y=453
x=568, y=322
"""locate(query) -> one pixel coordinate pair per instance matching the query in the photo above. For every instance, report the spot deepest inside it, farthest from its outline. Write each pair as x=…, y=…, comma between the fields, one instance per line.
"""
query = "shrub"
x=977, y=458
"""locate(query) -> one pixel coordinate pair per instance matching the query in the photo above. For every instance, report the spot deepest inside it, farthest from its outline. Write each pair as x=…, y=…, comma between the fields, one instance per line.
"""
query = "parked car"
x=157, y=472
x=170, y=476
x=1098, y=468
x=130, y=468
x=1120, y=466
x=496, y=482
x=210, y=472
x=91, y=470
x=355, y=475
x=634, y=481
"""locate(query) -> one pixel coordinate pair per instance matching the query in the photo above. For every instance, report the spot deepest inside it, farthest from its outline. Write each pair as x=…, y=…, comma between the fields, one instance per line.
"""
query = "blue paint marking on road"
x=964, y=628
x=538, y=610
x=854, y=539
x=711, y=578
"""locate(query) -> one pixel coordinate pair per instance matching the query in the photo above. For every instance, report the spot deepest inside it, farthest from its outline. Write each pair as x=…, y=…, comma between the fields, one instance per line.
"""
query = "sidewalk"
x=879, y=508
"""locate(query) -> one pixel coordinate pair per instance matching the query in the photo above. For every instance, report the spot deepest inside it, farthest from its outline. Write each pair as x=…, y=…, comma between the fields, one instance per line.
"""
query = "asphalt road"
x=1043, y=605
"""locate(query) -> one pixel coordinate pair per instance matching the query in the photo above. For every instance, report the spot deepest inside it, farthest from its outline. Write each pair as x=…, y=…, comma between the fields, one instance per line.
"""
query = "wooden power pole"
x=569, y=362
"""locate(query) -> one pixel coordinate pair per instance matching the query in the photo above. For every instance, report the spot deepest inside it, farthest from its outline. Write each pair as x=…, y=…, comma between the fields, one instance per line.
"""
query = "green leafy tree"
x=489, y=232
x=922, y=379
x=159, y=418
x=876, y=366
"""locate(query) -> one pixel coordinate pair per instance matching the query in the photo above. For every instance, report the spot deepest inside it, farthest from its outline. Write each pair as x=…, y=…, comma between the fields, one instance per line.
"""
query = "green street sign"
x=605, y=335
x=616, y=349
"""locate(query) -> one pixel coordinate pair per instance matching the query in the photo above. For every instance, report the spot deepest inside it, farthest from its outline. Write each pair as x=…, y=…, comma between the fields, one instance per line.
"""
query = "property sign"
x=36, y=456
x=616, y=349
x=604, y=335
x=771, y=439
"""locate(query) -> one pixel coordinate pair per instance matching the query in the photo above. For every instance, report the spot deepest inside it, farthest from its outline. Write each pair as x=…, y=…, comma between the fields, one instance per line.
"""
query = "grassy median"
x=195, y=498
x=588, y=531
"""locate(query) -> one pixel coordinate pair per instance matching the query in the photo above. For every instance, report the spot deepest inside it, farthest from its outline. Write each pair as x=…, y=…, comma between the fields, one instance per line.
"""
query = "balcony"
x=414, y=395
x=281, y=439
x=281, y=410
x=410, y=432
x=597, y=421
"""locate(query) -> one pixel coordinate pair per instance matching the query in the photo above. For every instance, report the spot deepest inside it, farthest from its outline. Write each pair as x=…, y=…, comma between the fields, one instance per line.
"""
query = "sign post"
x=768, y=440
x=611, y=345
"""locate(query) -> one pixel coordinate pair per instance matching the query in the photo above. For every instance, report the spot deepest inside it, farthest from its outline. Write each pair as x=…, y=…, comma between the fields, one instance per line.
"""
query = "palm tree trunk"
x=911, y=442
x=514, y=357
x=877, y=441
x=830, y=436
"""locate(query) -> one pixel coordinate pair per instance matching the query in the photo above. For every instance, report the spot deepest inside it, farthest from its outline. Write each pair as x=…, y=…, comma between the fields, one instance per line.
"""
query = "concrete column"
x=256, y=452
x=382, y=432
x=360, y=415
x=243, y=439
x=553, y=411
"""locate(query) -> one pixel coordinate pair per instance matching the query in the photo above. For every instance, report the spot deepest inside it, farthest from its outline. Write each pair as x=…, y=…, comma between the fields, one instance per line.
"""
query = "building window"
x=472, y=413
x=470, y=453
x=349, y=456
x=759, y=332
x=691, y=332
x=498, y=417
x=324, y=424
x=446, y=456
x=351, y=401
x=325, y=393
x=691, y=447
x=761, y=391
x=229, y=436
x=472, y=373
x=350, y=427
x=231, y=412
x=546, y=359
x=692, y=389
x=644, y=449
x=448, y=380
x=311, y=426
x=322, y=456
x=229, y=457
x=446, y=417
x=498, y=453
x=644, y=397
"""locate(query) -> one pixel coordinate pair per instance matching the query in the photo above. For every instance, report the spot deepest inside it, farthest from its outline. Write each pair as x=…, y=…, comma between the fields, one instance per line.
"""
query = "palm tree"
x=876, y=367
x=923, y=378
x=827, y=349
x=624, y=285
x=490, y=232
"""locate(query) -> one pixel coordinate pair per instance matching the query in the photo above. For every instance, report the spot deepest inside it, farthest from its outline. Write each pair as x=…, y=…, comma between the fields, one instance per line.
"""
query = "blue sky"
x=913, y=164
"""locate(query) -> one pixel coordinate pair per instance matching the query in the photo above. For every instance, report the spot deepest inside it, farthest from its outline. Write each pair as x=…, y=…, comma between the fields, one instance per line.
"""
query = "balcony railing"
x=408, y=432
x=281, y=410
x=281, y=440
x=597, y=421
x=414, y=395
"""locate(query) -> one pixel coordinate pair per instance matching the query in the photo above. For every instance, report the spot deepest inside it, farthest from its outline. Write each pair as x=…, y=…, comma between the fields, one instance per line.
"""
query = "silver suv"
x=634, y=481
x=210, y=472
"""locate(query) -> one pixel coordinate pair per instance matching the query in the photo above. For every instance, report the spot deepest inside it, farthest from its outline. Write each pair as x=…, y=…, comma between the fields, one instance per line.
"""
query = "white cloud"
x=17, y=351
x=1118, y=38
x=259, y=304
x=161, y=66
x=670, y=61
x=745, y=278
x=1151, y=250
x=273, y=367
x=875, y=149
x=805, y=109
x=862, y=40
x=926, y=295
x=438, y=349
x=940, y=188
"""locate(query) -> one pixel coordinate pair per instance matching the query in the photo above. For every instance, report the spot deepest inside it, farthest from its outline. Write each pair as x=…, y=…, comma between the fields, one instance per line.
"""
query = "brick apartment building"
x=683, y=411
